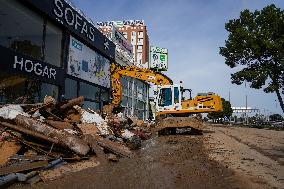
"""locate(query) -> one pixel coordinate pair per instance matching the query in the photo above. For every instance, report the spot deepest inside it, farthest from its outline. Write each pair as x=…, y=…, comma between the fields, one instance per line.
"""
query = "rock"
x=112, y=157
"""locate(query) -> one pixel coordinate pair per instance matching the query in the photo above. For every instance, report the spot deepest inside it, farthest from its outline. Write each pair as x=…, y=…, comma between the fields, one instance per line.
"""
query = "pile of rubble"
x=47, y=140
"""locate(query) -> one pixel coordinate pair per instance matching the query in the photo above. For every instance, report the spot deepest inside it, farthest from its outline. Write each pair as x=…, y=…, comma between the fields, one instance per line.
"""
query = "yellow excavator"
x=169, y=98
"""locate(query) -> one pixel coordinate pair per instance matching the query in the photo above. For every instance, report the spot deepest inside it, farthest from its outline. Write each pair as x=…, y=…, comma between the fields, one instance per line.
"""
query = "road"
x=220, y=158
x=258, y=154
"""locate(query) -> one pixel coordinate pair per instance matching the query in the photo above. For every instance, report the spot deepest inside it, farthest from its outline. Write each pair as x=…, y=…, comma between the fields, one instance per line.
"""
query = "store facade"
x=135, y=93
x=48, y=48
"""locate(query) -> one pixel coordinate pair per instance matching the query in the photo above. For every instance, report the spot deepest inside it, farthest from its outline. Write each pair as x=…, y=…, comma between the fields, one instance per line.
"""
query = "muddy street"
x=179, y=161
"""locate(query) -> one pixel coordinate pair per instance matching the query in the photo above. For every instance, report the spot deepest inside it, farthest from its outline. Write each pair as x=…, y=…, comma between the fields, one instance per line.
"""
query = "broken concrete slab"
x=11, y=111
x=87, y=117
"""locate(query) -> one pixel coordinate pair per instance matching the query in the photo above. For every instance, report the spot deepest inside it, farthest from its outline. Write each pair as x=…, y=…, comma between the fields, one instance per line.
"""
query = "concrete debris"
x=49, y=100
x=134, y=142
x=33, y=135
x=87, y=117
x=11, y=111
x=112, y=157
x=88, y=129
x=126, y=134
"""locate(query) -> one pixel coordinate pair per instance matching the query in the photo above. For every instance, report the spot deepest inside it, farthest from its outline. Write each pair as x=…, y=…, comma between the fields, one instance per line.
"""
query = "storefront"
x=135, y=92
x=48, y=48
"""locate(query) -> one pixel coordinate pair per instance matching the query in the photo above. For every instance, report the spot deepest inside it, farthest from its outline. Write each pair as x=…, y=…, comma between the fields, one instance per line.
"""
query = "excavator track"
x=171, y=125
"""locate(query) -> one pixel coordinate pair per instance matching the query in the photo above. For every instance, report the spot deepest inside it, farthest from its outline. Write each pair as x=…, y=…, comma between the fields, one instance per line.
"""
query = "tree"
x=256, y=42
x=275, y=117
x=227, y=111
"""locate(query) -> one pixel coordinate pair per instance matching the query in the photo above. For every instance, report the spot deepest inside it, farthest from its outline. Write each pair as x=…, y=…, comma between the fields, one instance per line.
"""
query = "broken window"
x=23, y=90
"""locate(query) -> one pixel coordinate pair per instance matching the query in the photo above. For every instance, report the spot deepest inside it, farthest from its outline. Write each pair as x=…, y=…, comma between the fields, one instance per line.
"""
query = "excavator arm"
x=134, y=72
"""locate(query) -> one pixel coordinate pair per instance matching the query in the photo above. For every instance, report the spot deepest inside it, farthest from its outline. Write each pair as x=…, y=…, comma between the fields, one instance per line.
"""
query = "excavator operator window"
x=176, y=95
x=165, y=97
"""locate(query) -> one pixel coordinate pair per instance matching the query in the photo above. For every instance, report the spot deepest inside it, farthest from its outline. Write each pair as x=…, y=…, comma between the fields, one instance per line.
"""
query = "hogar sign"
x=37, y=68
x=70, y=17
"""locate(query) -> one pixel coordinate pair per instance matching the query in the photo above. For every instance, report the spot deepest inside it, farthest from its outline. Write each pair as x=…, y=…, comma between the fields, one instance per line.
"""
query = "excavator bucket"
x=174, y=125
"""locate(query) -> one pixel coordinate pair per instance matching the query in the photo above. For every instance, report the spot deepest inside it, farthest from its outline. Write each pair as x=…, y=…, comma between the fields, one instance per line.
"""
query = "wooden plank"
x=29, y=132
x=73, y=142
x=114, y=147
x=8, y=149
x=15, y=168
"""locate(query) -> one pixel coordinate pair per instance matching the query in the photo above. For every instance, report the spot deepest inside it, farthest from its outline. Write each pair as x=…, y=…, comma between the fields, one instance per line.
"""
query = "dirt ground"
x=258, y=154
x=220, y=158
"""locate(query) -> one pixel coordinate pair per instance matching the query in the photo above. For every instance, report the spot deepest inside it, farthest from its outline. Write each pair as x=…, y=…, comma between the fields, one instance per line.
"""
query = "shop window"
x=70, y=88
x=90, y=92
x=140, y=105
x=140, y=114
x=91, y=105
x=48, y=90
x=21, y=29
x=104, y=95
x=130, y=102
x=19, y=89
x=52, y=50
x=124, y=101
x=12, y=87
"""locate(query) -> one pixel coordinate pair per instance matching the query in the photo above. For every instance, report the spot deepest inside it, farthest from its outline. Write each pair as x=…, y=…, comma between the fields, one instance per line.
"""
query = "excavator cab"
x=168, y=98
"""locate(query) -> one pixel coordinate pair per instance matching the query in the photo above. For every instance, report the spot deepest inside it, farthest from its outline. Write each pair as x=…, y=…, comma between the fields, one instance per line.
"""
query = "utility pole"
x=230, y=118
x=246, y=98
x=246, y=109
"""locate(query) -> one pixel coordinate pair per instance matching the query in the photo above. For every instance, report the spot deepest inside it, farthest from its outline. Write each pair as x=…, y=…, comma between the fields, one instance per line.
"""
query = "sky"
x=192, y=31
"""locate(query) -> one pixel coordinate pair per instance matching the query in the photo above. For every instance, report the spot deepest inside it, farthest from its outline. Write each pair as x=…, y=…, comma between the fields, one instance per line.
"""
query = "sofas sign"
x=77, y=23
x=69, y=17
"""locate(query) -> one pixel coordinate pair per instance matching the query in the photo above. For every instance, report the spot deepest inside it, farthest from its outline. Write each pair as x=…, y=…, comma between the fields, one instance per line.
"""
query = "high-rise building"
x=136, y=33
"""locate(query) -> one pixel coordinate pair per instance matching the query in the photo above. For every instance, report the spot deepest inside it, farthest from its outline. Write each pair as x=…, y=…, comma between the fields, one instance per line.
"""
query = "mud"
x=163, y=162
x=256, y=154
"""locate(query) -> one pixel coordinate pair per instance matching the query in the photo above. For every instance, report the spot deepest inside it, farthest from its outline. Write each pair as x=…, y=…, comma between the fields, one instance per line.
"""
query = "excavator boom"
x=134, y=72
